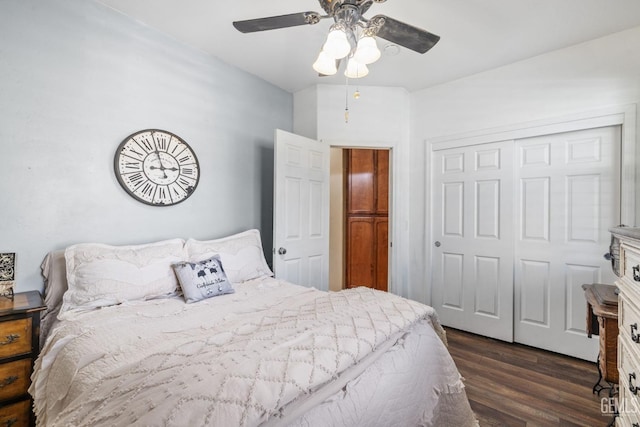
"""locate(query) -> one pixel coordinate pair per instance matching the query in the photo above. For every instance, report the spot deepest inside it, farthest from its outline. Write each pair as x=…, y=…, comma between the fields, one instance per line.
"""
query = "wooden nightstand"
x=19, y=347
x=602, y=319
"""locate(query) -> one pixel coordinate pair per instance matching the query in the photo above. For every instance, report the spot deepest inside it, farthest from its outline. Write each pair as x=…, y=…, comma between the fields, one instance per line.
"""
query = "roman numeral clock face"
x=156, y=167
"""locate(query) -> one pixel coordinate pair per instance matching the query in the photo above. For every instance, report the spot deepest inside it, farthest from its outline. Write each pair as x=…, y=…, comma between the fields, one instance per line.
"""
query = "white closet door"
x=568, y=193
x=473, y=238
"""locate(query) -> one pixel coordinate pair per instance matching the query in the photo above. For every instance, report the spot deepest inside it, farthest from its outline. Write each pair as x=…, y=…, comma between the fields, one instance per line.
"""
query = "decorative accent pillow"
x=204, y=279
x=241, y=254
x=99, y=275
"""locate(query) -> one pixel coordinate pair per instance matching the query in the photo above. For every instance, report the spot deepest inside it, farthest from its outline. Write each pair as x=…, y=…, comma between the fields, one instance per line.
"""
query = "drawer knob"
x=10, y=339
x=632, y=388
x=8, y=381
x=10, y=422
x=636, y=273
x=634, y=337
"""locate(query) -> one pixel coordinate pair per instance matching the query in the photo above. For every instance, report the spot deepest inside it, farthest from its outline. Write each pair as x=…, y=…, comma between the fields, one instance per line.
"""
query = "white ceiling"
x=476, y=35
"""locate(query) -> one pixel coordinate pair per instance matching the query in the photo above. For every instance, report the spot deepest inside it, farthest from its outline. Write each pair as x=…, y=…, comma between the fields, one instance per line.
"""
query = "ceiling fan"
x=352, y=35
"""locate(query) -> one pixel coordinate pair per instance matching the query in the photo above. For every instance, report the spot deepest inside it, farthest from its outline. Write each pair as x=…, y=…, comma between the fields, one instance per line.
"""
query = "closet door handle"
x=636, y=273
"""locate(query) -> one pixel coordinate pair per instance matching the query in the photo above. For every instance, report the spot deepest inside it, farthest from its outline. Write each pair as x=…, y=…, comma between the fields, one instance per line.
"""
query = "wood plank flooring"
x=514, y=385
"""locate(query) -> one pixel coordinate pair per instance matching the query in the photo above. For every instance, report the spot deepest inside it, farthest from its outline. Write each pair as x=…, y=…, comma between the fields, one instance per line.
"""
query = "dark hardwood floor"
x=515, y=385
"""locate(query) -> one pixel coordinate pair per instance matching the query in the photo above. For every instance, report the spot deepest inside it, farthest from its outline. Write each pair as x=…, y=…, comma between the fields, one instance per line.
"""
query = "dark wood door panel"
x=382, y=251
x=367, y=223
x=361, y=189
x=360, y=252
x=382, y=181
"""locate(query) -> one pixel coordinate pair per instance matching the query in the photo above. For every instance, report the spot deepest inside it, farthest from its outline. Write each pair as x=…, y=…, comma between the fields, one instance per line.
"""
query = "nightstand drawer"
x=14, y=379
x=16, y=414
x=15, y=337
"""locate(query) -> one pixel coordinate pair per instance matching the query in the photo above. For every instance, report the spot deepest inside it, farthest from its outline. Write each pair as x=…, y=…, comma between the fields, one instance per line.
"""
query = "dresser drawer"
x=631, y=263
x=15, y=337
x=629, y=391
x=629, y=321
x=16, y=414
x=14, y=379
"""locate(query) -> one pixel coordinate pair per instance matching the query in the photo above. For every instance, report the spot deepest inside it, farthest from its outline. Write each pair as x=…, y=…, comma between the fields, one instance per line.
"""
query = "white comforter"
x=234, y=360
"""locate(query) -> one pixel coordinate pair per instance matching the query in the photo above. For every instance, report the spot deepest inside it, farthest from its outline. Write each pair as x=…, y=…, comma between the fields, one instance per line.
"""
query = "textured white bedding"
x=271, y=353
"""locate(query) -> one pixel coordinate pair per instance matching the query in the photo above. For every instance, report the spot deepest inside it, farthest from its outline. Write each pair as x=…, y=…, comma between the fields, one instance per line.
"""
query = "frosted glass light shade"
x=337, y=44
x=367, y=51
x=325, y=64
x=355, y=70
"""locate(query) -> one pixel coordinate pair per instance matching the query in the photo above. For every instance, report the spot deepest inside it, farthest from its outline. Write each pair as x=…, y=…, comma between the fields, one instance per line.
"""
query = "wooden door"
x=367, y=218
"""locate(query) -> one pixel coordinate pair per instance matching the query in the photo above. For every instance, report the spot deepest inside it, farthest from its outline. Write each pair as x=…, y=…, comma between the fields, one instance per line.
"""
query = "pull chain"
x=346, y=101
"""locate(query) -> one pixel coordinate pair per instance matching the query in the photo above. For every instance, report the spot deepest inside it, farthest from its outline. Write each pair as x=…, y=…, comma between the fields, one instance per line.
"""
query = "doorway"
x=359, y=241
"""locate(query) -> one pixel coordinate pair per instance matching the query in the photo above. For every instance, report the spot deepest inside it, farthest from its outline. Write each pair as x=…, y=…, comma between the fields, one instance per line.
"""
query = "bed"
x=122, y=346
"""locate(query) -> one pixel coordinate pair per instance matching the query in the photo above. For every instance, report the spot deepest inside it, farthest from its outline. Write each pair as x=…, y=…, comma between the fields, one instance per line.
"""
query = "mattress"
x=271, y=354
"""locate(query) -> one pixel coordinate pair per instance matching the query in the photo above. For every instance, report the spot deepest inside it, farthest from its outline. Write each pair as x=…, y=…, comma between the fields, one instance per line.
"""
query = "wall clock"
x=156, y=167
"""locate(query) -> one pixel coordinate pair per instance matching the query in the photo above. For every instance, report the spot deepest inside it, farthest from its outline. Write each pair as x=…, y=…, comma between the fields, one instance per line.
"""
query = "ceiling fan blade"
x=275, y=22
x=406, y=35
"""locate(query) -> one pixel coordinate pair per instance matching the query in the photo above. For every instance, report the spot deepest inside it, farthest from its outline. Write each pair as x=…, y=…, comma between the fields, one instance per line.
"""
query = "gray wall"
x=75, y=79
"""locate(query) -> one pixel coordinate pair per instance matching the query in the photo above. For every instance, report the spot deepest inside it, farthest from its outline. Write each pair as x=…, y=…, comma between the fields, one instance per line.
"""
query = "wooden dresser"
x=628, y=271
x=19, y=346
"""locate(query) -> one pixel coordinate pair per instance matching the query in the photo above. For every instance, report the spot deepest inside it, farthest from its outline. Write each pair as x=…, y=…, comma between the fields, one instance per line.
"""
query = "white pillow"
x=99, y=275
x=204, y=279
x=241, y=255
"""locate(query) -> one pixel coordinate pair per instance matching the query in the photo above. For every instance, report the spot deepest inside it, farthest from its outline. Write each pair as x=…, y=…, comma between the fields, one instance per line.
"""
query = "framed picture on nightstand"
x=7, y=273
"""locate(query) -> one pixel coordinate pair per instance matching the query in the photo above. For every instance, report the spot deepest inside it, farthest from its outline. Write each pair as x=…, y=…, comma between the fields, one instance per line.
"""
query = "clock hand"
x=161, y=165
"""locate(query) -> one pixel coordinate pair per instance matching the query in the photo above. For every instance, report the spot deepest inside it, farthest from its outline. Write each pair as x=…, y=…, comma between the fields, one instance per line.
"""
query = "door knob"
x=437, y=244
x=282, y=251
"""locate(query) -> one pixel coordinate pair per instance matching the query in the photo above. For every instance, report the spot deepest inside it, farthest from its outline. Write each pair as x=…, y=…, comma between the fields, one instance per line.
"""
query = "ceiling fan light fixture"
x=367, y=51
x=337, y=44
x=355, y=69
x=325, y=64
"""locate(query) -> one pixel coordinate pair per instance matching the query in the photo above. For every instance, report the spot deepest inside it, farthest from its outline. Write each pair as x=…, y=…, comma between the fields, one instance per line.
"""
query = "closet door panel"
x=382, y=252
x=568, y=196
x=361, y=179
x=361, y=235
x=382, y=182
x=472, y=265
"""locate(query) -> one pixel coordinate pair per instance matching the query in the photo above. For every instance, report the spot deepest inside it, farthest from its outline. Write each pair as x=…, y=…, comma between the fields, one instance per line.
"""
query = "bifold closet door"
x=473, y=238
x=568, y=194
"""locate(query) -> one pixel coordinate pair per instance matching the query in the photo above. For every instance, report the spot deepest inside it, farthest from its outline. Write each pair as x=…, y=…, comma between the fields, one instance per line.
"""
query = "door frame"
x=622, y=115
x=398, y=240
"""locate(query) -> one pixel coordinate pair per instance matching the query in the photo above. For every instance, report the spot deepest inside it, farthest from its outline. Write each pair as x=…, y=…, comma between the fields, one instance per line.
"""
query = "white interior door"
x=473, y=238
x=301, y=210
x=568, y=191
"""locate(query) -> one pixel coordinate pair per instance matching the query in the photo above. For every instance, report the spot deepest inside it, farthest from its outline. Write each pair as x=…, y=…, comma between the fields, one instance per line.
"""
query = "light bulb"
x=367, y=50
x=355, y=70
x=337, y=44
x=325, y=64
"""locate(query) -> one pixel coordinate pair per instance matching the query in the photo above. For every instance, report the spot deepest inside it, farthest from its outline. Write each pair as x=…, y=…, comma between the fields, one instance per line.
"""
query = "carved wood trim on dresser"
x=19, y=347
x=628, y=324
